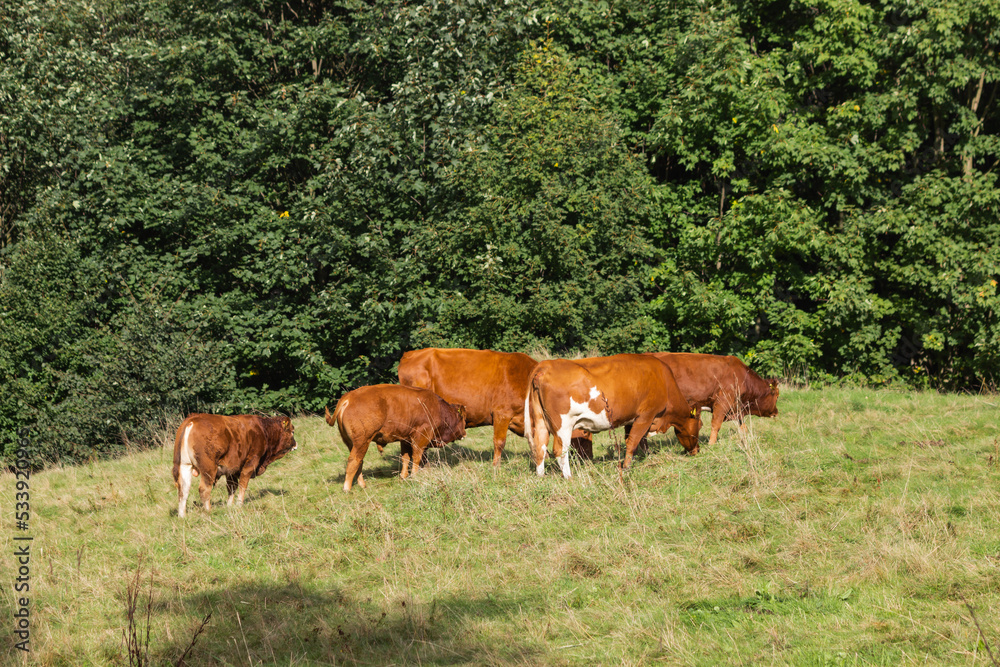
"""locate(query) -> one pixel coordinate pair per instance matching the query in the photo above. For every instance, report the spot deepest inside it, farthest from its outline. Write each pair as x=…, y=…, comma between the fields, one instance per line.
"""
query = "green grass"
x=849, y=530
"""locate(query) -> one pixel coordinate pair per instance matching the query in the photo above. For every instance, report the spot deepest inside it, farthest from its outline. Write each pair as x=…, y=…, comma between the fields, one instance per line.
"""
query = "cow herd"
x=441, y=392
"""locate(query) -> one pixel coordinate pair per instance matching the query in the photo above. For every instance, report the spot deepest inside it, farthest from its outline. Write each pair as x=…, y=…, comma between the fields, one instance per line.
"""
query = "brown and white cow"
x=601, y=393
x=491, y=385
x=723, y=384
x=239, y=447
x=384, y=413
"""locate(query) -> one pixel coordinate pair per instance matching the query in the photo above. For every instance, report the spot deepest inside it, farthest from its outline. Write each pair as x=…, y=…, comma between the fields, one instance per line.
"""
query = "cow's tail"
x=532, y=407
x=527, y=414
x=180, y=444
x=177, y=455
x=336, y=418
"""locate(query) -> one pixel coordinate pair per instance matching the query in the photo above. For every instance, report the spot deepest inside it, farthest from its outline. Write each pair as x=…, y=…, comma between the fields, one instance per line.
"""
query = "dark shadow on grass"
x=260, y=493
x=307, y=624
x=389, y=462
x=220, y=502
x=654, y=445
x=376, y=466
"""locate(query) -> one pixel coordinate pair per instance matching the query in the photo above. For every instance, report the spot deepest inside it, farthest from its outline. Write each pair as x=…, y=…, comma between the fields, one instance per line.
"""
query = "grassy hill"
x=849, y=530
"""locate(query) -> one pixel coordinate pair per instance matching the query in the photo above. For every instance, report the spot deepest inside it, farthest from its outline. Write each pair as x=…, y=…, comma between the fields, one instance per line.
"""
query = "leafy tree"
x=549, y=248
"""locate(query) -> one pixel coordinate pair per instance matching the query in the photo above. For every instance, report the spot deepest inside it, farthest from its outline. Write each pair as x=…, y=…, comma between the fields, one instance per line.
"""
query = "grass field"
x=850, y=530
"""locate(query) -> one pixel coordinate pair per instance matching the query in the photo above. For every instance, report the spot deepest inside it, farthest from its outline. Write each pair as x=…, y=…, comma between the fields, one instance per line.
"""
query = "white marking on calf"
x=186, y=469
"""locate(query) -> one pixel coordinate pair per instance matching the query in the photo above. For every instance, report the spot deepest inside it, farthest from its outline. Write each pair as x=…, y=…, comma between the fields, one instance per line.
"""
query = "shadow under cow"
x=387, y=464
x=614, y=451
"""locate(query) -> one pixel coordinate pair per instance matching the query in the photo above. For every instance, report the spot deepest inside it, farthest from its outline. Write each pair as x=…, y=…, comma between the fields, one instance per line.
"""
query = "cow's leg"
x=354, y=461
x=244, y=480
x=183, y=488
x=643, y=445
x=722, y=407
x=420, y=444
x=232, y=484
x=208, y=473
x=583, y=443
x=718, y=416
x=539, y=445
x=500, y=426
x=560, y=445
x=406, y=450
x=638, y=431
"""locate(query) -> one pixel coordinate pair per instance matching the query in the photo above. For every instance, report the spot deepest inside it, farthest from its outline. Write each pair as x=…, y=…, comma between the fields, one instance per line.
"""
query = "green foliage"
x=547, y=247
x=811, y=132
x=90, y=366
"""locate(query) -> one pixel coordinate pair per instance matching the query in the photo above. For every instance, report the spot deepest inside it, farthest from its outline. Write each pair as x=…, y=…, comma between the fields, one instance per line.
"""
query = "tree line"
x=256, y=205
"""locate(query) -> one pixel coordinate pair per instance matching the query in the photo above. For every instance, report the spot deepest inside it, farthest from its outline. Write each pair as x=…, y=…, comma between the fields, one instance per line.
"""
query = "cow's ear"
x=774, y=387
x=286, y=424
x=461, y=410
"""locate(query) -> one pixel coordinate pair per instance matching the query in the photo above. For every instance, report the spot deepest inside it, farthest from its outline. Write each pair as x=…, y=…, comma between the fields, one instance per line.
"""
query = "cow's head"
x=687, y=429
x=767, y=405
x=452, y=425
x=282, y=442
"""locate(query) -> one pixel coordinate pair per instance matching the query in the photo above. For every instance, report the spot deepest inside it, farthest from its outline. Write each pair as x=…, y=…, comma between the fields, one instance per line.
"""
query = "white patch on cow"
x=187, y=463
x=565, y=434
x=581, y=416
x=564, y=462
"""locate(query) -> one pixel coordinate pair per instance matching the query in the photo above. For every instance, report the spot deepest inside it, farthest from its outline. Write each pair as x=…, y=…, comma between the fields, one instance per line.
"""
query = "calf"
x=384, y=413
x=239, y=447
x=601, y=393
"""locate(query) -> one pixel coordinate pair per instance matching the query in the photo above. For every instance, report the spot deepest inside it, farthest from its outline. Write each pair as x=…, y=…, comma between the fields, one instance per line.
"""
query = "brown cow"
x=385, y=413
x=491, y=385
x=239, y=447
x=723, y=384
x=601, y=393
